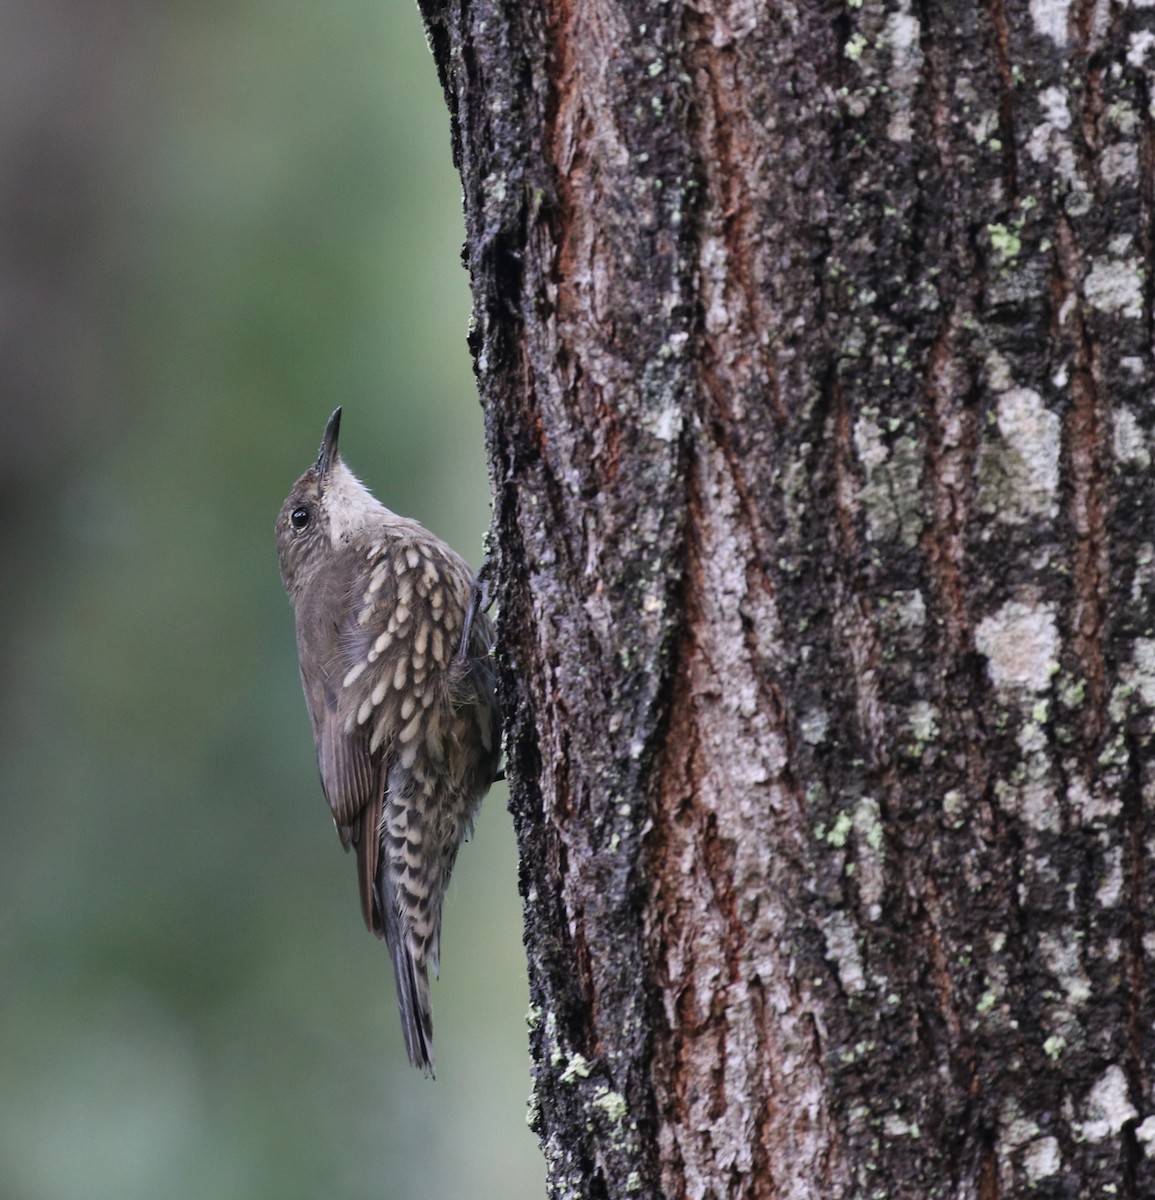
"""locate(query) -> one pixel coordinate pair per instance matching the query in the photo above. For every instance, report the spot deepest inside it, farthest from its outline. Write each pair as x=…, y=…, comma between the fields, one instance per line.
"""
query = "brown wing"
x=351, y=773
x=354, y=787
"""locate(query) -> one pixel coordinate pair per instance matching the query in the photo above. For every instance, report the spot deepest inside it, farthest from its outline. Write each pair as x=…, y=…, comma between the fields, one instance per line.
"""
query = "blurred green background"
x=218, y=221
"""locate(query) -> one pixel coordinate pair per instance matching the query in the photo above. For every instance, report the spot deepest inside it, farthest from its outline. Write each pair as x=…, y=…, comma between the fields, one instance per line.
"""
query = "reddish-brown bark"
x=815, y=346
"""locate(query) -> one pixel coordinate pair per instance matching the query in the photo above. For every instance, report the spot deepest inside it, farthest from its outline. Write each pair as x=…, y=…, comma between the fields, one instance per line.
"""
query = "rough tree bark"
x=814, y=340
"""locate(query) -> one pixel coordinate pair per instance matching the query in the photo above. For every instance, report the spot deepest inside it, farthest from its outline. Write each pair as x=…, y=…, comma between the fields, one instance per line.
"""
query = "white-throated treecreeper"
x=394, y=648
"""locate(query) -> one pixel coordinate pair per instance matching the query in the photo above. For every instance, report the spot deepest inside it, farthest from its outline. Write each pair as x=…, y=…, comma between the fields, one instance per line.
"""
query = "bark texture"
x=814, y=340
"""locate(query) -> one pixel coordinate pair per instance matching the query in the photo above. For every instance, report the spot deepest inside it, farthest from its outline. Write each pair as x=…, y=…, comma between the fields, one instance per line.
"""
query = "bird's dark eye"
x=301, y=518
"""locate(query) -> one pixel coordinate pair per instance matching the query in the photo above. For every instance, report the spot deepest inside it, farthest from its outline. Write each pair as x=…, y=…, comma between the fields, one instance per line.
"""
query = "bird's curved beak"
x=328, y=455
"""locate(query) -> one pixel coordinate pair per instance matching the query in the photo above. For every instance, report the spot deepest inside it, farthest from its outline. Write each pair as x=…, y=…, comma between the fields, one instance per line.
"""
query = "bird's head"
x=328, y=510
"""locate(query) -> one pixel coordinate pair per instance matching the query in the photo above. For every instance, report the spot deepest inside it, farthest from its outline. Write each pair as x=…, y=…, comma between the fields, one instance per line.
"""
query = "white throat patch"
x=351, y=507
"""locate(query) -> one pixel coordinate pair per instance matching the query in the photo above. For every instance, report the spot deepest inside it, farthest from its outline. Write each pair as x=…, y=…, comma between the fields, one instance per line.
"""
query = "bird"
x=395, y=651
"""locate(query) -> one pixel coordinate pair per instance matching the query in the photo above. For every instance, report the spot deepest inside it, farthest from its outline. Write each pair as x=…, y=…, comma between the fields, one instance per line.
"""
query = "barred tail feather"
x=412, y=996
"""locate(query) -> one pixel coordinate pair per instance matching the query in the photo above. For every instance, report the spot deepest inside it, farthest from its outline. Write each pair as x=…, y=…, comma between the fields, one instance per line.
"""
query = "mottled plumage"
x=394, y=654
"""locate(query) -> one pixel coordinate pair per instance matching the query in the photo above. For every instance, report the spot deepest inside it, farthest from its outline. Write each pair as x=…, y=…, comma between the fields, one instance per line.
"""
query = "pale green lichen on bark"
x=838, y=833
x=855, y=46
x=891, y=496
x=922, y=721
x=1005, y=242
x=868, y=822
x=896, y=1126
x=1018, y=475
x=612, y=1103
x=857, y=1053
x=954, y=808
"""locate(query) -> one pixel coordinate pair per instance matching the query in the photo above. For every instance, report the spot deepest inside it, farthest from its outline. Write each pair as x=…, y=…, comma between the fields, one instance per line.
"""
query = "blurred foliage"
x=219, y=221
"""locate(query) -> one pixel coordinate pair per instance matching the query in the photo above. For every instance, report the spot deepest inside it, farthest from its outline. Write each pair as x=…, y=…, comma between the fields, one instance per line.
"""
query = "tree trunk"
x=814, y=341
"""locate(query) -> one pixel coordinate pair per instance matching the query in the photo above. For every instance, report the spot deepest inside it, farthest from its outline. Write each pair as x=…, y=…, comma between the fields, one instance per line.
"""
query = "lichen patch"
x=1042, y=1159
x=1020, y=643
x=1050, y=19
x=1116, y=287
x=842, y=951
x=1128, y=441
x=901, y=35
x=1019, y=471
x=1108, y=1107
